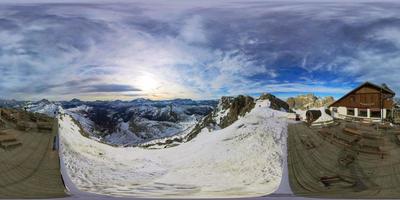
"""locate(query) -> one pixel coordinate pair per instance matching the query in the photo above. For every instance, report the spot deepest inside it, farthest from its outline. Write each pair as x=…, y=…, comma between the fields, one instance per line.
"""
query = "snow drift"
x=241, y=160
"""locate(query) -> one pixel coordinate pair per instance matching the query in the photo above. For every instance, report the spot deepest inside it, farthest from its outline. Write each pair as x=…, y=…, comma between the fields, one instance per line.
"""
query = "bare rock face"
x=326, y=101
x=291, y=101
x=308, y=101
x=227, y=112
x=276, y=103
x=239, y=106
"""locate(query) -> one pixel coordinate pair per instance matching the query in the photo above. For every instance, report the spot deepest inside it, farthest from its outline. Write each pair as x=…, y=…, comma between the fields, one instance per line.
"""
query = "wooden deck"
x=343, y=163
x=30, y=169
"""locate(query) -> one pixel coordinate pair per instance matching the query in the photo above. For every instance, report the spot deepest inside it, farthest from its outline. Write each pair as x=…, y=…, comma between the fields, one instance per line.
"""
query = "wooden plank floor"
x=31, y=170
x=368, y=176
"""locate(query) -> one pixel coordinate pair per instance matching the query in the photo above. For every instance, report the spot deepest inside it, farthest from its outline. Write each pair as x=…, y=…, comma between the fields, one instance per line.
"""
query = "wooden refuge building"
x=369, y=101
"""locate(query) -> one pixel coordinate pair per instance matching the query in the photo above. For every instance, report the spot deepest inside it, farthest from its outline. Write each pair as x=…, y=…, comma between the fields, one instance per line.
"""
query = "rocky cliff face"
x=238, y=107
x=229, y=110
x=308, y=101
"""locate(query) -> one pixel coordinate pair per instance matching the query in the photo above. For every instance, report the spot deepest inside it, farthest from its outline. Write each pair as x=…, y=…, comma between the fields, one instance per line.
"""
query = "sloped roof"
x=383, y=87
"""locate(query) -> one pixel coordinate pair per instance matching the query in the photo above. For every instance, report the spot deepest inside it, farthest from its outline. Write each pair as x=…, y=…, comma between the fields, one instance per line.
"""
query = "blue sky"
x=195, y=49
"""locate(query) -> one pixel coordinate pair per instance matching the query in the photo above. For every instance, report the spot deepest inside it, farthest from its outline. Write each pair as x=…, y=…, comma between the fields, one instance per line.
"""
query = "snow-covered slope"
x=130, y=123
x=241, y=160
x=43, y=106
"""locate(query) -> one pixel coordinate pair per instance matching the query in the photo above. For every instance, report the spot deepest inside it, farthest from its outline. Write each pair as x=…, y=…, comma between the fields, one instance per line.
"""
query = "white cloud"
x=171, y=43
x=193, y=31
x=378, y=68
x=390, y=34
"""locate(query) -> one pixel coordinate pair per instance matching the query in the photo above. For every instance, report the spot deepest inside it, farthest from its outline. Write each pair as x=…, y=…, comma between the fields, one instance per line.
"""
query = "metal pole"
x=381, y=106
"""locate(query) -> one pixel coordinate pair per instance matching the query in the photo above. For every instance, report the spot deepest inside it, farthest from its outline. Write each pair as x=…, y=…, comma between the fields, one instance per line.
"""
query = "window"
x=350, y=112
x=376, y=114
x=363, y=113
x=388, y=114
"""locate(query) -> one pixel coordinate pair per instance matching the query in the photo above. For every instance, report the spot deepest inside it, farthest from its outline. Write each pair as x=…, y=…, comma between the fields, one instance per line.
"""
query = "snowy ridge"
x=44, y=107
x=79, y=115
x=214, y=121
x=241, y=160
x=219, y=113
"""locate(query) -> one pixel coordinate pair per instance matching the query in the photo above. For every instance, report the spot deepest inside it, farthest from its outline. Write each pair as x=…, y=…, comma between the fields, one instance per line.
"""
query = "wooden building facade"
x=366, y=101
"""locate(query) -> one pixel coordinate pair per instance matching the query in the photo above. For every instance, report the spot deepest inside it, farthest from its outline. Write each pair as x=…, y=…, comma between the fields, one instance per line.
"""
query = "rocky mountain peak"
x=238, y=106
x=309, y=101
x=44, y=101
x=75, y=100
x=225, y=102
x=227, y=112
x=276, y=103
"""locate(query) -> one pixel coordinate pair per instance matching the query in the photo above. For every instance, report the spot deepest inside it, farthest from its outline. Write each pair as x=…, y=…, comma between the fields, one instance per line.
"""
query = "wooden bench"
x=384, y=126
x=367, y=121
x=352, y=131
x=341, y=141
x=8, y=141
x=372, y=142
x=347, y=160
x=372, y=149
x=9, y=115
x=307, y=143
x=25, y=125
x=347, y=138
x=10, y=144
x=7, y=138
x=329, y=180
x=45, y=126
x=372, y=136
x=324, y=133
x=396, y=132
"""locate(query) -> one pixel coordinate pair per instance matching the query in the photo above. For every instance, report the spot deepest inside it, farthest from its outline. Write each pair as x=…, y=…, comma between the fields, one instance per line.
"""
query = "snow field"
x=242, y=160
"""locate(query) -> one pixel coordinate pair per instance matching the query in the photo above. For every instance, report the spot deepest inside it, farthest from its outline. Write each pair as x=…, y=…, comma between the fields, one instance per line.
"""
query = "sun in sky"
x=147, y=83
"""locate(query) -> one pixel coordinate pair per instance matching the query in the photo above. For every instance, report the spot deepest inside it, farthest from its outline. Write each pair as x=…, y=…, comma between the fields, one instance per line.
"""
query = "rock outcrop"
x=276, y=103
x=229, y=109
x=238, y=107
x=308, y=101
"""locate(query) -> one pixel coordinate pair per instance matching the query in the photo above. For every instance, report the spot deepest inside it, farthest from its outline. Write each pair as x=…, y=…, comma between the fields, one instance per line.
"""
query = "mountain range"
x=307, y=101
x=147, y=122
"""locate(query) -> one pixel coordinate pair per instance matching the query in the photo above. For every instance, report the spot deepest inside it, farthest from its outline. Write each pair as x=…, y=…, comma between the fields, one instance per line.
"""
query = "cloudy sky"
x=195, y=49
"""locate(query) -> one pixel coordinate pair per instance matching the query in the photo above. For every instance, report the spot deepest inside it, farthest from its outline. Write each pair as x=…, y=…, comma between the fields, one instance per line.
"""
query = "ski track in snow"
x=242, y=160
